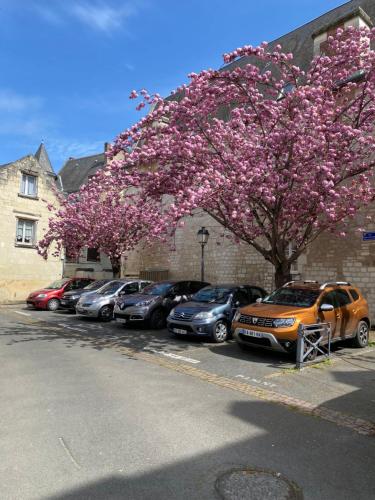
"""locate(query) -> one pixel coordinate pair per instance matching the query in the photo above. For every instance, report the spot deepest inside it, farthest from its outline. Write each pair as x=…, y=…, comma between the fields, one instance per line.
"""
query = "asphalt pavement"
x=94, y=410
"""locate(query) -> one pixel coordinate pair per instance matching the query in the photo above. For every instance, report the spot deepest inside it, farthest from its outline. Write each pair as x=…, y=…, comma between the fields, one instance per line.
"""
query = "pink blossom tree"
x=275, y=154
x=102, y=215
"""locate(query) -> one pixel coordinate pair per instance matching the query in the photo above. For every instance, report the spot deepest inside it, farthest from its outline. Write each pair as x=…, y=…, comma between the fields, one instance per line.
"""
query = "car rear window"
x=354, y=294
x=298, y=297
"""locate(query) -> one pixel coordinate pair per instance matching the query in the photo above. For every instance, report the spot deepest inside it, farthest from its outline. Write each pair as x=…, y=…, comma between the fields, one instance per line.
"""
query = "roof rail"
x=329, y=283
x=300, y=281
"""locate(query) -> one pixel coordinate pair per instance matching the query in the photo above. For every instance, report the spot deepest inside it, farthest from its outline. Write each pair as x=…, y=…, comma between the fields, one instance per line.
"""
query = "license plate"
x=251, y=333
x=178, y=330
x=121, y=320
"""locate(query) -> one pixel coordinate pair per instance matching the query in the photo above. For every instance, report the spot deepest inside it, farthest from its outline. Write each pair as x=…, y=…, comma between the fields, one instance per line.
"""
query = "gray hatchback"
x=211, y=310
x=100, y=304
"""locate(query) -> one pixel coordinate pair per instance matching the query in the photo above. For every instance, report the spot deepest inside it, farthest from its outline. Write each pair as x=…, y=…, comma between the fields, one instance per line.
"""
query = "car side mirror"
x=123, y=292
x=326, y=307
x=259, y=300
x=237, y=303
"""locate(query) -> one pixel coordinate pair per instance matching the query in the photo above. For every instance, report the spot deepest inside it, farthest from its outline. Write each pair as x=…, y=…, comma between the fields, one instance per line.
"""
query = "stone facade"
x=21, y=268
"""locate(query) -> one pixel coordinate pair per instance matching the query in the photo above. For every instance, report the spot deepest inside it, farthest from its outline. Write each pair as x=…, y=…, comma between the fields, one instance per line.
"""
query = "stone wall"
x=21, y=268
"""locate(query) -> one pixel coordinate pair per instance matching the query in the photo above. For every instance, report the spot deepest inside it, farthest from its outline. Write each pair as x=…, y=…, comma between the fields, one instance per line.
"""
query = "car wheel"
x=106, y=313
x=220, y=331
x=53, y=304
x=361, y=337
x=157, y=320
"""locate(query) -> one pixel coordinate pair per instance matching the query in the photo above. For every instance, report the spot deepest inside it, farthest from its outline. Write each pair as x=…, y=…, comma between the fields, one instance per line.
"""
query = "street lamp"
x=202, y=236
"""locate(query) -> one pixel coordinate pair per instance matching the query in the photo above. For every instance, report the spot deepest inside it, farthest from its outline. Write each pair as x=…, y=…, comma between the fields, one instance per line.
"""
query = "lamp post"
x=202, y=236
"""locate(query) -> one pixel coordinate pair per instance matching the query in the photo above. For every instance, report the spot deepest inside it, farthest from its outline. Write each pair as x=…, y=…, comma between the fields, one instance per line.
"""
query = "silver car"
x=100, y=304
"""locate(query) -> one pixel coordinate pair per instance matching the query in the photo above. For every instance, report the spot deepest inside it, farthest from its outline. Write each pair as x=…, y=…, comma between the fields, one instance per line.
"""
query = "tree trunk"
x=116, y=266
x=282, y=274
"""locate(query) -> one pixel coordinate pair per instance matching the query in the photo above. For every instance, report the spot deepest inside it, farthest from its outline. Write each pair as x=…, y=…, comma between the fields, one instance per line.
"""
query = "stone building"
x=329, y=258
x=75, y=173
x=24, y=185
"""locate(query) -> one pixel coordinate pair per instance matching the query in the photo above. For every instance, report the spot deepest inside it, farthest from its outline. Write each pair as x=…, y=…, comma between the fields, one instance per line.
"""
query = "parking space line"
x=172, y=355
x=23, y=314
x=72, y=328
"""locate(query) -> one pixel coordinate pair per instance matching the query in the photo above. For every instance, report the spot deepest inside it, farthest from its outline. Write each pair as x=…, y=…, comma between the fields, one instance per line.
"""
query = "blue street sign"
x=368, y=236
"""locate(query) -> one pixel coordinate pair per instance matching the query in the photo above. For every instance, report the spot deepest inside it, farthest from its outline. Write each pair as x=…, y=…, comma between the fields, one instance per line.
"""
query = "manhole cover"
x=256, y=484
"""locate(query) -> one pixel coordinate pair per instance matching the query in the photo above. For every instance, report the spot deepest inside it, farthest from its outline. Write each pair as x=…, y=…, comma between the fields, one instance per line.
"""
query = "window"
x=29, y=185
x=255, y=294
x=241, y=297
x=354, y=294
x=93, y=255
x=144, y=284
x=131, y=288
x=25, y=232
x=331, y=299
x=343, y=298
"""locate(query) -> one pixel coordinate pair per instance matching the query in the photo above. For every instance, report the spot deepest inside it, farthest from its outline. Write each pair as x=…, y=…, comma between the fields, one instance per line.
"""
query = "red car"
x=49, y=297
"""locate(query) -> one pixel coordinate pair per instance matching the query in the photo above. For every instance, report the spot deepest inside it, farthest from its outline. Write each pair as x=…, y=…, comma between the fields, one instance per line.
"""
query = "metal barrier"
x=313, y=340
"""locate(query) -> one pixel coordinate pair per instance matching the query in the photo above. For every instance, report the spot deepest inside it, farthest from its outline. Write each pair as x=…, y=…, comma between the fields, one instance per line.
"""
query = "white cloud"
x=10, y=101
x=102, y=16
x=63, y=148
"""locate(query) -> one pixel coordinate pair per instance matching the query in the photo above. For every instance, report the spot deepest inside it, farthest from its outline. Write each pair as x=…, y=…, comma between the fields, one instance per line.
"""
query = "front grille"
x=255, y=340
x=256, y=320
x=183, y=316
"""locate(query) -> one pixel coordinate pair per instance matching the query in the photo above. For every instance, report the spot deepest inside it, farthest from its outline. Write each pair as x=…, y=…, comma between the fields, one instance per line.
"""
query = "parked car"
x=100, y=304
x=211, y=310
x=155, y=302
x=50, y=296
x=274, y=322
x=69, y=299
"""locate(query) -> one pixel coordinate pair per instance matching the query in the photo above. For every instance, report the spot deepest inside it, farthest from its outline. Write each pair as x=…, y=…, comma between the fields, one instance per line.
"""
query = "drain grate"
x=256, y=484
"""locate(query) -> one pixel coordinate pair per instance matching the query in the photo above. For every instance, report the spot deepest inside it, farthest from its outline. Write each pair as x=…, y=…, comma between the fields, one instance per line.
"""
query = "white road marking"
x=172, y=355
x=72, y=328
x=256, y=381
x=23, y=314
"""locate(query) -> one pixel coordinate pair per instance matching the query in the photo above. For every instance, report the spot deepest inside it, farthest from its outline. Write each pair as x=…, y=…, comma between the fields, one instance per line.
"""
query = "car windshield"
x=212, y=294
x=111, y=288
x=56, y=285
x=95, y=285
x=157, y=289
x=297, y=297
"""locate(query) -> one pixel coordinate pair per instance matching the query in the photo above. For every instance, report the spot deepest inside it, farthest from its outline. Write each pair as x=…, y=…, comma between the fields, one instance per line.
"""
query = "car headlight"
x=204, y=315
x=278, y=323
x=237, y=315
x=171, y=313
x=41, y=295
x=73, y=297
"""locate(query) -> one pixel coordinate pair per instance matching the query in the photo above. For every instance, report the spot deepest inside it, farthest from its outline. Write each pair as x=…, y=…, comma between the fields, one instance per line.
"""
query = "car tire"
x=106, y=313
x=157, y=319
x=220, y=331
x=362, y=334
x=53, y=304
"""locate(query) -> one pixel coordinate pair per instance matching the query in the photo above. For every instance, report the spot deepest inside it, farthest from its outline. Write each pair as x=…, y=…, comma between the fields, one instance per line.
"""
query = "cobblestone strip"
x=358, y=425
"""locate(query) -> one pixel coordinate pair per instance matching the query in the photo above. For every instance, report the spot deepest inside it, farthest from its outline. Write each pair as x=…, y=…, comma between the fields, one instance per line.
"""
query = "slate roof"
x=300, y=40
x=42, y=156
x=77, y=171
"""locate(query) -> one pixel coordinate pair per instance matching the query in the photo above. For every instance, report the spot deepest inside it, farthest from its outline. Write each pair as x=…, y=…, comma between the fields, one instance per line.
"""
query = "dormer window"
x=357, y=18
x=29, y=185
x=287, y=89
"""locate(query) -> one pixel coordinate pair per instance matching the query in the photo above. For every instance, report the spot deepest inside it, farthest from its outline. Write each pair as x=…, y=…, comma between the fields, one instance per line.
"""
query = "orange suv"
x=273, y=322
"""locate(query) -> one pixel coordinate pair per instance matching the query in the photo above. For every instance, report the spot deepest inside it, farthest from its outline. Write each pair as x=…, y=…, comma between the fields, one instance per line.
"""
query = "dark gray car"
x=69, y=299
x=211, y=310
x=155, y=302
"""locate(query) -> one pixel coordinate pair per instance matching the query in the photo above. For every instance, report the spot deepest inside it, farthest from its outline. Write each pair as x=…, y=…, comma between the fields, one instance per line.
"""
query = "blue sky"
x=68, y=66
